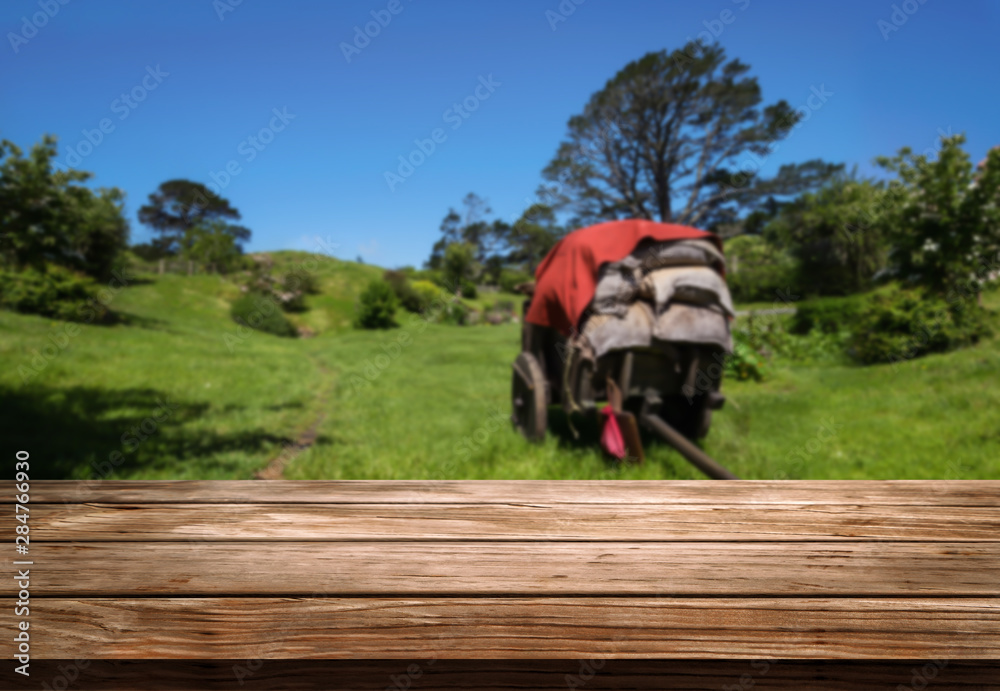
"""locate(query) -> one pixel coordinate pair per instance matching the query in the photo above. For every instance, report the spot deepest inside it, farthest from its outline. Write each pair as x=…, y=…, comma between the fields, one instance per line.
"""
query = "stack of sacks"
x=664, y=291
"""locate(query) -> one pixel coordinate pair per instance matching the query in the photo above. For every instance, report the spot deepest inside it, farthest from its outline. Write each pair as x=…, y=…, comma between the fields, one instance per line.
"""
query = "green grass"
x=438, y=409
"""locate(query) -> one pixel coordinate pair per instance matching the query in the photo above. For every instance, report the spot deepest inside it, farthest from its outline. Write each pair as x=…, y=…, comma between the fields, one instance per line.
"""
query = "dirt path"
x=275, y=468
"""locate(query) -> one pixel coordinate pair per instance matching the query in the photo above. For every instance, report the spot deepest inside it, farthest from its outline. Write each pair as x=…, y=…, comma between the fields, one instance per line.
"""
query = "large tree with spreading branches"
x=678, y=137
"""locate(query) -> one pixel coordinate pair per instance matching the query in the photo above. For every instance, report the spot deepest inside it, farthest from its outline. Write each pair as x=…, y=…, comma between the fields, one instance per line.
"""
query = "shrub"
x=401, y=286
x=829, y=315
x=260, y=311
x=55, y=292
x=903, y=324
x=756, y=269
x=769, y=336
x=454, y=313
x=469, y=291
x=302, y=281
x=509, y=280
x=292, y=302
x=377, y=306
x=744, y=362
x=427, y=292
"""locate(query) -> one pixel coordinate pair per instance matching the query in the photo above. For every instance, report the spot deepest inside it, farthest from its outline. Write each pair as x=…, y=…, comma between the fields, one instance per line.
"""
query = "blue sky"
x=214, y=73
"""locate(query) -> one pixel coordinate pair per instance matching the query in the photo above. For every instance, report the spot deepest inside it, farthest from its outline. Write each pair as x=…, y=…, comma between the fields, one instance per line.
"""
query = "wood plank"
x=867, y=492
x=360, y=628
x=515, y=675
x=866, y=569
x=564, y=522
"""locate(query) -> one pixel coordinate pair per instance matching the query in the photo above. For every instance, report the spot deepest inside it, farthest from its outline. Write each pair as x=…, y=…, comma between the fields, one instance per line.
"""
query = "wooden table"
x=588, y=574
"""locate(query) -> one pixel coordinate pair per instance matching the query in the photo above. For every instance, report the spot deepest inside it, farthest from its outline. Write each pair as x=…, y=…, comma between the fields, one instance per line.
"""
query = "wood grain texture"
x=864, y=569
x=517, y=675
x=520, y=522
x=984, y=493
x=517, y=570
x=358, y=628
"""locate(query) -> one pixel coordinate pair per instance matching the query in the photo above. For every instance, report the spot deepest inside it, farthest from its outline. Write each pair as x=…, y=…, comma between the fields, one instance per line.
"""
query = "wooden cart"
x=668, y=388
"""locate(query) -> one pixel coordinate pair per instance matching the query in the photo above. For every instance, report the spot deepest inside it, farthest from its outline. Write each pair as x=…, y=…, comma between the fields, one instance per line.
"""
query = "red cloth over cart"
x=566, y=279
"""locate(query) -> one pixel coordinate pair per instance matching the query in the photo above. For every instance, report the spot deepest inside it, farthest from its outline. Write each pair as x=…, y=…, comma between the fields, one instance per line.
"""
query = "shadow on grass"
x=151, y=323
x=73, y=432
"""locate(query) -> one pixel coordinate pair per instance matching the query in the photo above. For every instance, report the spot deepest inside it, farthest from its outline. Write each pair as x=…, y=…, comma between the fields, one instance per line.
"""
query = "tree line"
x=62, y=239
x=681, y=137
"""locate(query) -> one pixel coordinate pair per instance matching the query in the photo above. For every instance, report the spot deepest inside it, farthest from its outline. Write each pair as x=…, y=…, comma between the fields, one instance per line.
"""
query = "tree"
x=757, y=269
x=533, y=235
x=47, y=217
x=945, y=228
x=213, y=243
x=459, y=264
x=179, y=205
x=836, y=234
x=470, y=226
x=663, y=140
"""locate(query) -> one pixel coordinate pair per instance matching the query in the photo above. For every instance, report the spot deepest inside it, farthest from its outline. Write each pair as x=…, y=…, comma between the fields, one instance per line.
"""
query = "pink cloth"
x=611, y=436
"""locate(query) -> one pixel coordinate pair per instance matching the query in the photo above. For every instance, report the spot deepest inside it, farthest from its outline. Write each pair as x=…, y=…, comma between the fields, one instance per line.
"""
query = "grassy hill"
x=162, y=395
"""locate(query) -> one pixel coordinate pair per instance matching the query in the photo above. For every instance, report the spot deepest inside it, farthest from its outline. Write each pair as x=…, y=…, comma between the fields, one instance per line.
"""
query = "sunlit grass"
x=437, y=408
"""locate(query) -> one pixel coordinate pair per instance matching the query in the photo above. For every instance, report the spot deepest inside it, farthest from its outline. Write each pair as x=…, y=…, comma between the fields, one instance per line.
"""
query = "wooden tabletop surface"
x=504, y=570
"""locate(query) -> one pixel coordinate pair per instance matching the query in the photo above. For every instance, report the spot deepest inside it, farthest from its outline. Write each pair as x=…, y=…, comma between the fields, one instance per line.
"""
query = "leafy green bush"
x=401, y=286
x=427, y=292
x=756, y=269
x=768, y=336
x=453, y=312
x=829, y=315
x=469, y=291
x=261, y=312
x=744, y=363
x=302, y=281
x=771, y=339
x=904, y=324
x=377, y=306
x=509, y=280
x=55, y=292
x=48, y=215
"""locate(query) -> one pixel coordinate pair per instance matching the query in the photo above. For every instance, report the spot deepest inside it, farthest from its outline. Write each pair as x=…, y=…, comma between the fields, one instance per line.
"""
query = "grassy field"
x=163, y=395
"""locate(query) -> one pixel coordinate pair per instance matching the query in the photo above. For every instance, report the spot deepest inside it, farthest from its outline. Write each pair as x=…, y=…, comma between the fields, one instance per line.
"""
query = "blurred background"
x=260, y=239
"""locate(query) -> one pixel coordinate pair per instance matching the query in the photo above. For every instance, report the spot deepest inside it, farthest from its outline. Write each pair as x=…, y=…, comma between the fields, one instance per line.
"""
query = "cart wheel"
x=528, y=402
